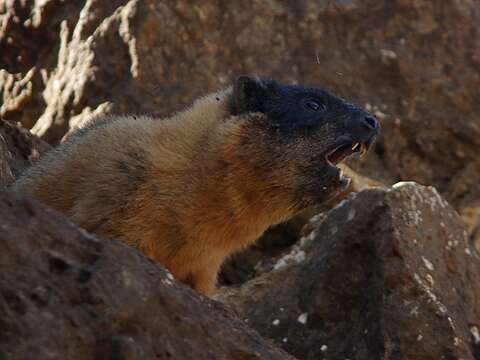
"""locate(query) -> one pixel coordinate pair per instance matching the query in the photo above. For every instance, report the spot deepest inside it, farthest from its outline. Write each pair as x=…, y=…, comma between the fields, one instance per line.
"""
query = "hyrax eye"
x=314, y=105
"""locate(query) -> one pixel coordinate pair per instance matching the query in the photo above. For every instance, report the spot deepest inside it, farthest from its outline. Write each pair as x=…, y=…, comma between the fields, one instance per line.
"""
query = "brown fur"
x=187, y=191
x=190, y=190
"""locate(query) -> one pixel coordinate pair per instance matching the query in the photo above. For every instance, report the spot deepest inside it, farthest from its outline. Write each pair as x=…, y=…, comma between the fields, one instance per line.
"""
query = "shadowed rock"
x=387, y=274
x=65, y=294
x=18, y=150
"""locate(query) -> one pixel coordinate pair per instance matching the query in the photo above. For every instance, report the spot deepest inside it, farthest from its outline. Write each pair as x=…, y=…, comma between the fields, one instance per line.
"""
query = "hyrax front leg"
x=190, y=267
x=204, y=280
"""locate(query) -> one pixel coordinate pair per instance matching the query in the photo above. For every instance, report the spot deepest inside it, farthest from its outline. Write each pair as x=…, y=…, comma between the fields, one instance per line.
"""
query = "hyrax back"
x=190, y=190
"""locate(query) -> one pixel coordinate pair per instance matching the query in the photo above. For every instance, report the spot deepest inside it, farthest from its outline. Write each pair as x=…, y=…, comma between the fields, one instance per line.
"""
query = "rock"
x=29, y=39
x=65, y=294
x=464, y=191
x=18, y=150
x=387, y=274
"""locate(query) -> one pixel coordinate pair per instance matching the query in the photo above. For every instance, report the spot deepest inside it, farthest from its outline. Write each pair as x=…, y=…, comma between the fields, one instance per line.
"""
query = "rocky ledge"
x=64, y=294
x=389, y=273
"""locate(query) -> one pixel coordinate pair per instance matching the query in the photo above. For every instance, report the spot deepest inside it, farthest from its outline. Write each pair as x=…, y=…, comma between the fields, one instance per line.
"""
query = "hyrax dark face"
x=307, y=132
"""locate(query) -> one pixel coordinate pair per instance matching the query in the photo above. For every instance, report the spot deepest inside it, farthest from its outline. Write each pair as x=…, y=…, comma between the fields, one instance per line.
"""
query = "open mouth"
x=341, y=152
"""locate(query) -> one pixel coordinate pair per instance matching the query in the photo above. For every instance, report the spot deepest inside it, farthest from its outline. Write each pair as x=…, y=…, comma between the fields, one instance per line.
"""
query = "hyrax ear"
x=249, y=95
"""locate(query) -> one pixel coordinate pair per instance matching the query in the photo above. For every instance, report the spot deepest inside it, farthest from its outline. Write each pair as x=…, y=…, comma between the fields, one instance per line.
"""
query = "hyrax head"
x=304, y=133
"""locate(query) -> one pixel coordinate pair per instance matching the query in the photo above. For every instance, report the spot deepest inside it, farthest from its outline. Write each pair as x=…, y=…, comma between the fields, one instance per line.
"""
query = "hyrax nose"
x=370, y=122
x=363, y=127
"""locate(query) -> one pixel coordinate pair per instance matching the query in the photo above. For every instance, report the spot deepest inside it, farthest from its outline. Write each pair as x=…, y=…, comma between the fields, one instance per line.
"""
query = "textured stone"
x=387, y=274
x=18, y=150
x=65, y=294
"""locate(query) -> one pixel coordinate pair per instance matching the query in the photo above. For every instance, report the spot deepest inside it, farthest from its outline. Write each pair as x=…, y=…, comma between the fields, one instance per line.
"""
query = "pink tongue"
x=340, y=154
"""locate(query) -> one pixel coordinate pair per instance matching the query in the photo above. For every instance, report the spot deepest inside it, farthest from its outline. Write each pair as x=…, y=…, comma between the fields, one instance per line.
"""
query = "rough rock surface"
x=387, y=274
x=18, y=150
x=65, y=294
x=413, y=63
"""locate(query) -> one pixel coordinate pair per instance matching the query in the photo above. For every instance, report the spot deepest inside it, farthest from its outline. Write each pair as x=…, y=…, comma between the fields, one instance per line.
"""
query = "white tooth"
x=363, y=150
x=354, y=146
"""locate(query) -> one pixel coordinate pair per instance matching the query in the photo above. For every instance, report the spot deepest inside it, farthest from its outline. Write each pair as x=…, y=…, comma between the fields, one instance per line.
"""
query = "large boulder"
x=388, y=274
x=65, y=294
